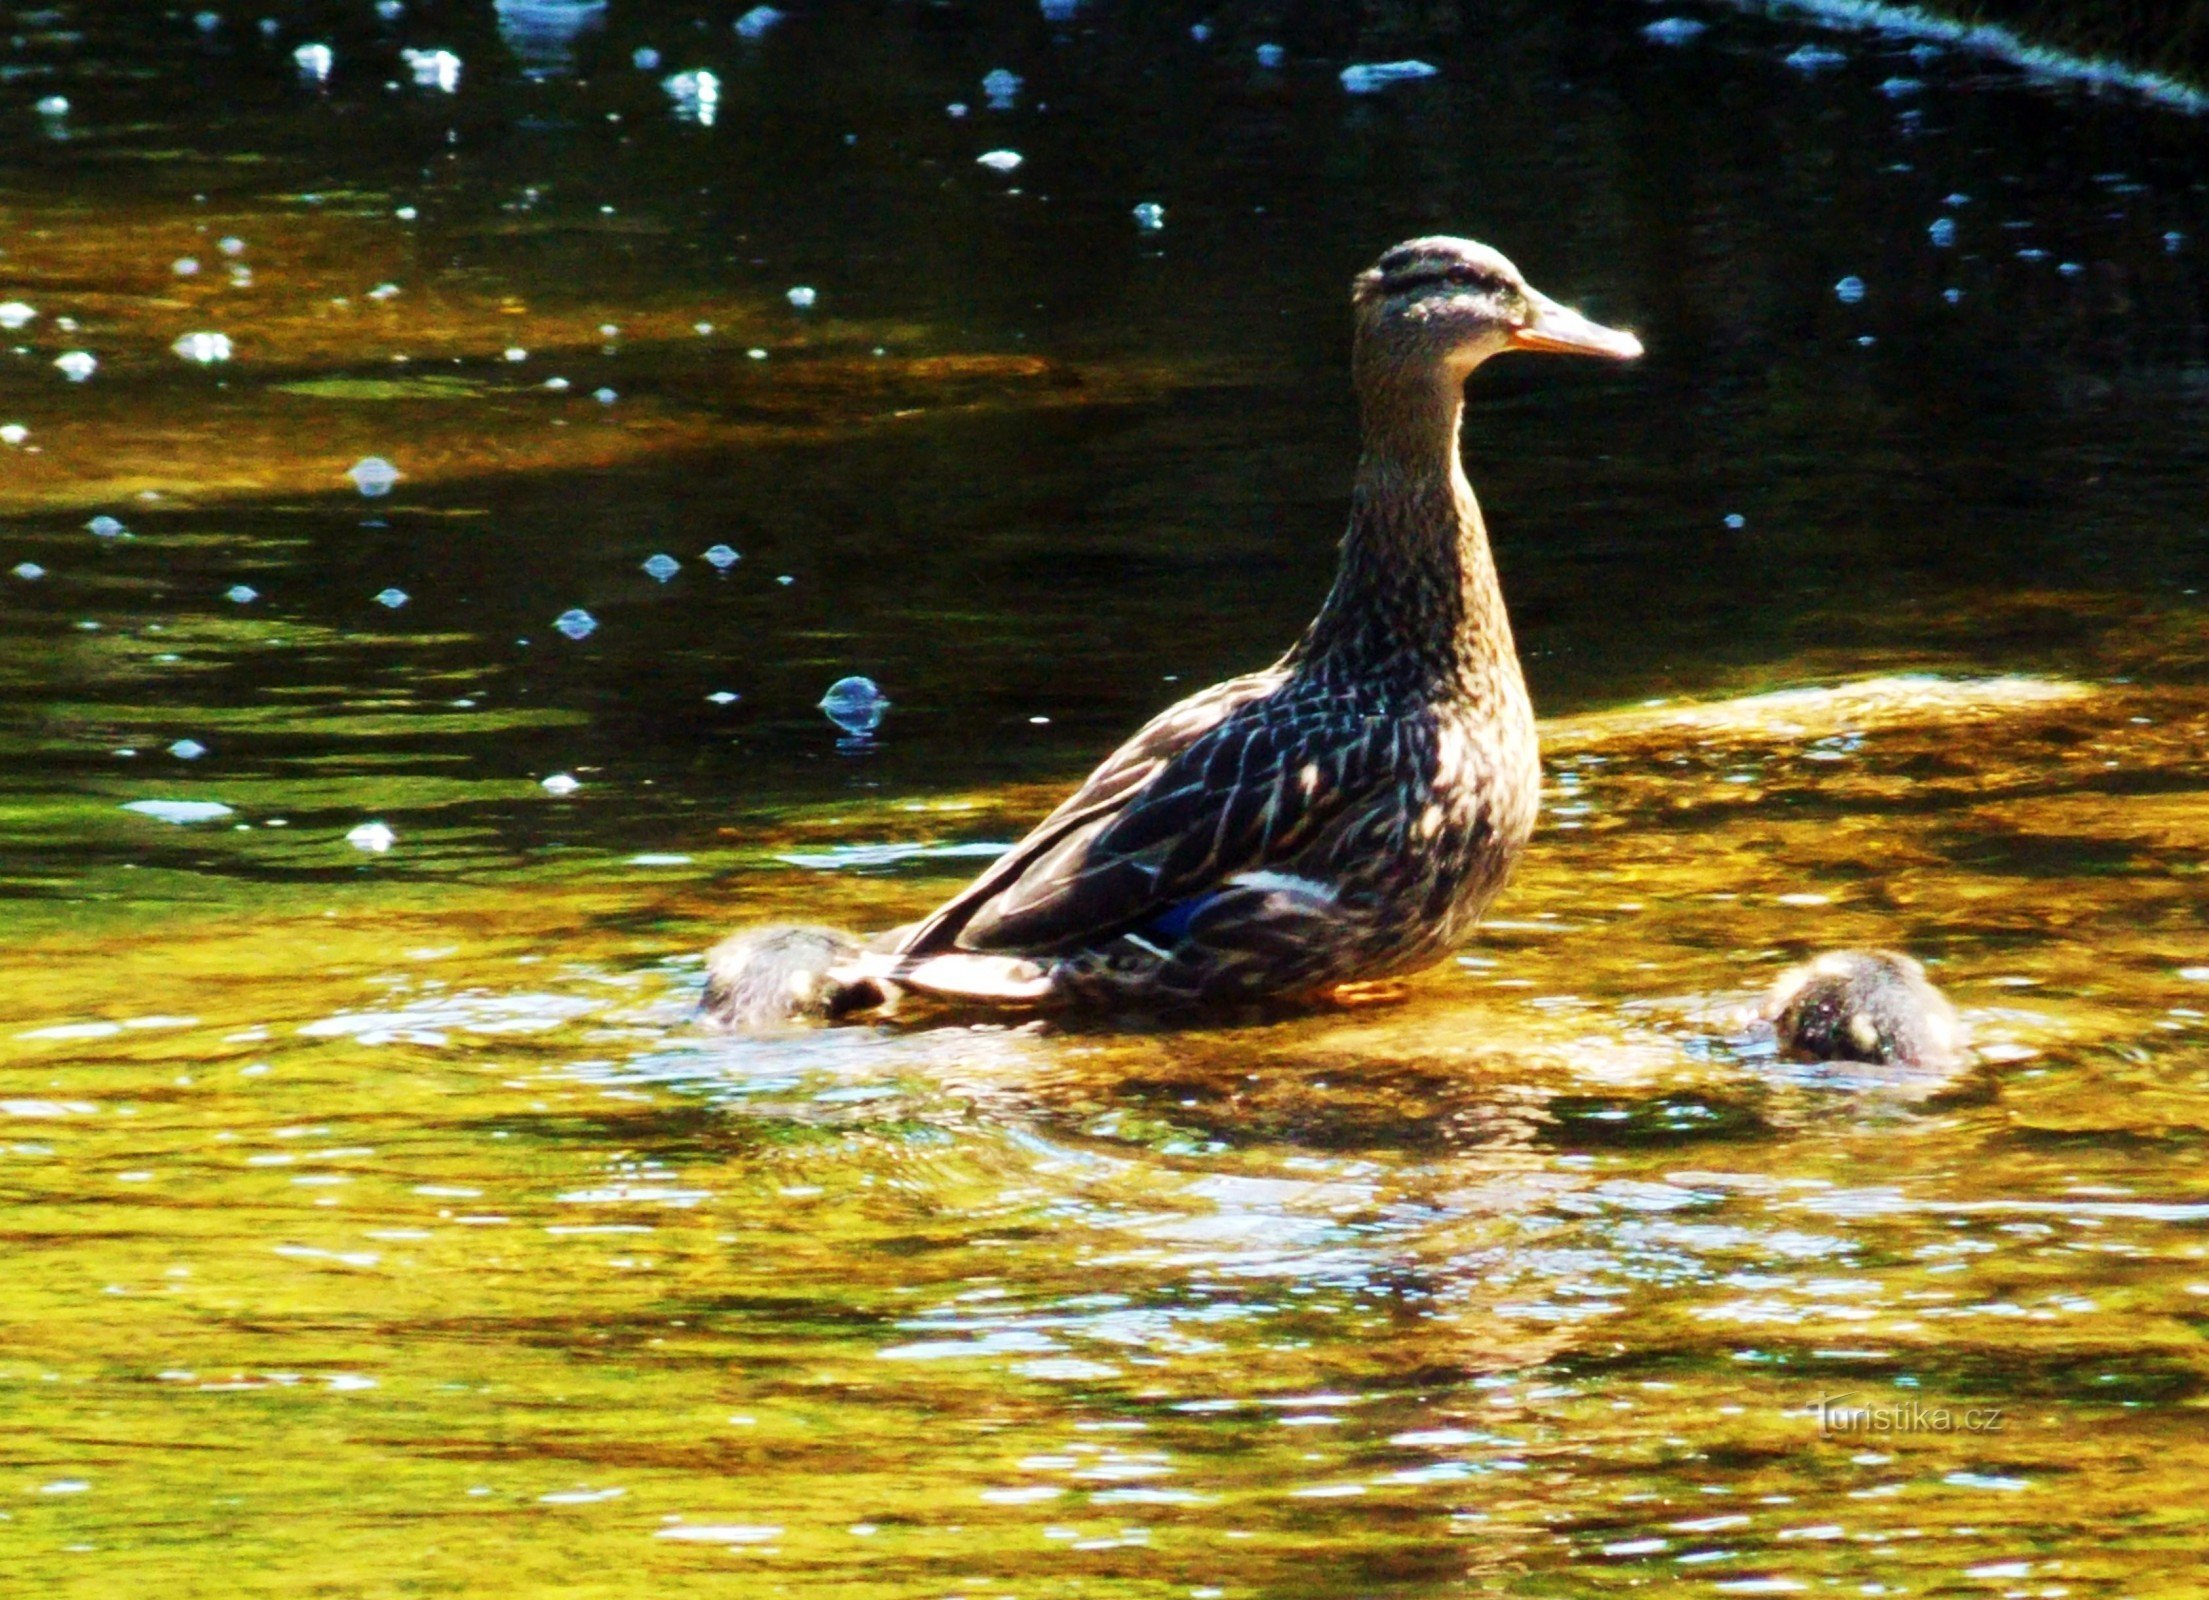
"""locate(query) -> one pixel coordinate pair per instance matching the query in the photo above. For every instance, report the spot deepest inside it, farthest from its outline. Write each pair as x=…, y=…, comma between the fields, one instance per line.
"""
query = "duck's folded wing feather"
x=1122, y=775
x=1249, y=792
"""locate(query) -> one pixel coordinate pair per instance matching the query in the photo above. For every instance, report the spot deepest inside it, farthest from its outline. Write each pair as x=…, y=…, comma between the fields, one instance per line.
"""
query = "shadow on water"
x=375, y=1208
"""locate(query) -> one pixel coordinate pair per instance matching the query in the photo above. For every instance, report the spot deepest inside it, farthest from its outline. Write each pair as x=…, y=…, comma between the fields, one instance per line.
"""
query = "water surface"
x=378, y=1223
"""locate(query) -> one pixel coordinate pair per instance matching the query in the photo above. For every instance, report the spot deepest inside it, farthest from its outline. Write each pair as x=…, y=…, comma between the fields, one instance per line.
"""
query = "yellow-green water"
x=376, y=1223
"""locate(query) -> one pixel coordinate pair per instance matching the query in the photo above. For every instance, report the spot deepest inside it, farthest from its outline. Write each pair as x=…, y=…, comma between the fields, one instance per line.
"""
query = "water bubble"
x=1370, y=77
x=1058, y=10
x=1200, y=31
x=187, y=749
x=955, y=110
x=1271, y=55
x=1953, y=296
x=604, y=397
x=755, y=22
x=576, y=623
x=2070, y=269
x=757, y=353
x=786, y=580
x=697, y=96
x=855, y=705
x=13, y=433
x=205, y=348
x=179, y=811
x=1150, y=216
x=434, y=69
x=207, y=21
x=1900, y=88
x=723, y=557
x=232, y=246
x=723, y=697
x=29, y=571
x=373, y=837
x=515, y=352
x=2172, y=243
x=999, y=160
x=390, y=10
x=241, y=594
x=1957, y=199
x=1002, y=87
x=1672, y=30
x=185, y=266
x=1816, y=58
x=314, y=61
x=106, y=527
x=392, y=599
x=662, y=567
x=15, y=314
x=384, y=291
x=77, y=365
x=53, y=105
x=561, y=783
x=373, y=476
x=1736, y=520
x=645, y=58
x=1942, y=232
x=2032, y=252
x=1849, y=290
x=802, y=297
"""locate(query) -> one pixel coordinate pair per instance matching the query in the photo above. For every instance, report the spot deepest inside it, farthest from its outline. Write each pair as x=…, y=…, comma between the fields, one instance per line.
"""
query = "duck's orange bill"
x=1565, y=331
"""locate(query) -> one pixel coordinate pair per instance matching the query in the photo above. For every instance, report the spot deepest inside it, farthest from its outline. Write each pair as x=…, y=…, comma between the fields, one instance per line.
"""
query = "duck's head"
x=1442, y=306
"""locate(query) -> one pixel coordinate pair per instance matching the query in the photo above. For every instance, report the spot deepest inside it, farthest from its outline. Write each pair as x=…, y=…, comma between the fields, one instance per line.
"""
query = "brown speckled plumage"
x=1346, y=814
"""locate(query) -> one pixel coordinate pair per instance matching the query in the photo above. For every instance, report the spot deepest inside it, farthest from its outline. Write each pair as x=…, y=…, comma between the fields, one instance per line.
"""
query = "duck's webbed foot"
x=776, y=975
x=1375, y=992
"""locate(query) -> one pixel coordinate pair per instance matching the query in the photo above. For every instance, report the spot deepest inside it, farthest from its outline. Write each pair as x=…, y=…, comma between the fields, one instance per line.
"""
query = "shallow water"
x=377, y=1221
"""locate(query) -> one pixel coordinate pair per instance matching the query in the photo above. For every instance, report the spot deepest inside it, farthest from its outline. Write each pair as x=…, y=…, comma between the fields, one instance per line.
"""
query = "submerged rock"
x=766, y=977
x=1864, y=1005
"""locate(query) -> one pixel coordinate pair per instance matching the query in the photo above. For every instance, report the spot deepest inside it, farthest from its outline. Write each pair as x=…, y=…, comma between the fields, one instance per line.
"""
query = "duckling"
x=764, y=977
x=1345, y=815
x=1864, y=1005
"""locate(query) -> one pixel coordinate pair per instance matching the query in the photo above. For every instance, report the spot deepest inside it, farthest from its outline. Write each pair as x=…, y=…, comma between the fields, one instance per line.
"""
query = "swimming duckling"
x=768, y=976
x=1864, y=1005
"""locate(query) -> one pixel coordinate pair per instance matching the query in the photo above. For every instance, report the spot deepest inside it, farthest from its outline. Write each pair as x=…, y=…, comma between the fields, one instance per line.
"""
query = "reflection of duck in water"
x=1864, y=1005
x=1344, y=815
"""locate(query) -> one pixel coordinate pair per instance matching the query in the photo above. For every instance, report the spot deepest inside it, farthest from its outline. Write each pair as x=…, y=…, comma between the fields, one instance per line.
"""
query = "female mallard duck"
x=1344, y=815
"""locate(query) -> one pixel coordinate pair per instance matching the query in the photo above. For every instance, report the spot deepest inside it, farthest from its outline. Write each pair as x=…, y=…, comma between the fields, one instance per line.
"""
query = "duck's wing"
x=1231, y=781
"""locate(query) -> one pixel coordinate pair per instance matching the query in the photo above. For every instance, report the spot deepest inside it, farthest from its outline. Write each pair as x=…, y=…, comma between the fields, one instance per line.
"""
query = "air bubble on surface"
x=28, y=571
x=1370, y=77
x=392, y=599
x=662, y=567
x=77, y=365
x=315, y=61
x=1672, y=30
x=204, y=348
x=106, y=527
x=1900, y=88
x=187, y=749
x=241, y=594
x=373, y=837
x=755, y=23
x=373, y=476
x=14, y=314
x=697, y=96
x=1002, y=88
x=1816, y=58
x=13, y=433
x=185, y=266
x=384, y=291
x=855, y=705
x=1849, y=290
x=576, y=623
x=54, y=105
x=604, y=397
x=724, y=697
x=723, y=557
x=561, y=783
x=1736, y=520
x=802, y=297
x=1150, y=216
x=433, y=69
x=999, y=160
x=179, y=811
x=1271, y=56
x=645, y=58
x=1942, y=232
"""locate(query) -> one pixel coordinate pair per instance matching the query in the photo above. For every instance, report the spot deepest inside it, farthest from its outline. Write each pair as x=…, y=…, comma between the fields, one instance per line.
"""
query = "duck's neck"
x=1415, y=602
